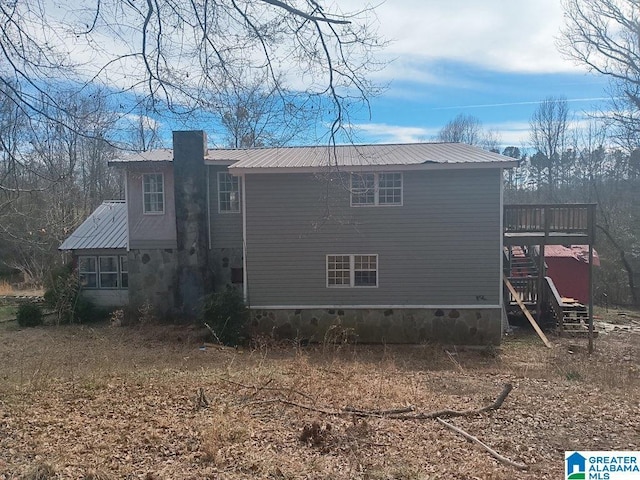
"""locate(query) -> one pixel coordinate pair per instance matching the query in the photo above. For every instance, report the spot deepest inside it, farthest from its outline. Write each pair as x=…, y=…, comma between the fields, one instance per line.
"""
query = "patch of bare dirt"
x=151, y=403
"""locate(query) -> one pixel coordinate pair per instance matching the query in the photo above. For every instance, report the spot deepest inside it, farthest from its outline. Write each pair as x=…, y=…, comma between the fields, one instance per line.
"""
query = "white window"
x=352, y=270
x=371, y=189
x=88, y=272
x=124, y=272
x=108, y=267
x=228, y=193
x=153, y=193
x=108, y=271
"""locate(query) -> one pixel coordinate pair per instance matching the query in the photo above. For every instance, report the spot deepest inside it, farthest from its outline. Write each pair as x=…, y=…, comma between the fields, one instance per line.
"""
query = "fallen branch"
x=213, y=333
x=382, y=413
x=392, y=414
x=493, y=453
x=258, y=389
x=298, y=405
x=447, y=413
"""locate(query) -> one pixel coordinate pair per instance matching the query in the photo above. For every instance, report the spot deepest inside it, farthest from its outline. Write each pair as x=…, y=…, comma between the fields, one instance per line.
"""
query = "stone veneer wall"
x=221, y=261
x=194, y=277
x=153, y=279
x=481, y=326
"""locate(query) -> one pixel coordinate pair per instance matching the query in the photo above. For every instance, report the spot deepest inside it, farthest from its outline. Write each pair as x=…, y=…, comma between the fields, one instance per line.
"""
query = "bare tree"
x=173, y=53
x=62, y=176
x=549, y=127
x=258, y=114
x=462, y=129
x=604, y=35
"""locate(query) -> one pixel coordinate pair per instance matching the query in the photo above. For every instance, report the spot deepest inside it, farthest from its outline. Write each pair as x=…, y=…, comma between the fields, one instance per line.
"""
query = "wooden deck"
x=549, y=224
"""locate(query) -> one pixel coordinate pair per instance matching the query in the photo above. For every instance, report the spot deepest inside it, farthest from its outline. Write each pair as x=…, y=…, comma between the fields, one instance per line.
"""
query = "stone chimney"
x=194, y=279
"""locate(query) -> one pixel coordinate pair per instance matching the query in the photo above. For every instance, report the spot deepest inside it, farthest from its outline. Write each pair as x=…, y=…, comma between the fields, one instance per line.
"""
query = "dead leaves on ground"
x=134, y=408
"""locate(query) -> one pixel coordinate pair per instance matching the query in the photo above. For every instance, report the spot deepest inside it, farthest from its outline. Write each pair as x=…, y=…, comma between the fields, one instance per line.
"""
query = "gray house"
x=401, y=243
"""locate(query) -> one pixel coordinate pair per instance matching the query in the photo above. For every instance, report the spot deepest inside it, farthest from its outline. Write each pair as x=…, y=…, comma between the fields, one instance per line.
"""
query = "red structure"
x=568, y=267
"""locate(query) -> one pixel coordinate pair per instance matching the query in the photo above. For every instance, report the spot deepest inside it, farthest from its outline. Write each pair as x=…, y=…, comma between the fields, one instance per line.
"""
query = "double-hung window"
x=153, y=193
x=108, y=271
x=228, y=193
x=88, y=272
x=352, y=271
x=376, y=189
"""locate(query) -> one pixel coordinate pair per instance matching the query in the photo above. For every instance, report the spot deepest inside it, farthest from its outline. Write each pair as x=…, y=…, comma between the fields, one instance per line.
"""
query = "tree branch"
x=300, y=13
x=493, y=453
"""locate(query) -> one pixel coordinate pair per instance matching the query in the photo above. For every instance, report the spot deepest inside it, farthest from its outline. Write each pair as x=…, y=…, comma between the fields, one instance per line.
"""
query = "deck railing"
x=576, y=218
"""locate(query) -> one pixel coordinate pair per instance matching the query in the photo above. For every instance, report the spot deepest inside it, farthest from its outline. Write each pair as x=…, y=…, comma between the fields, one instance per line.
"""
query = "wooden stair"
x=575, y=318
x=521, y=264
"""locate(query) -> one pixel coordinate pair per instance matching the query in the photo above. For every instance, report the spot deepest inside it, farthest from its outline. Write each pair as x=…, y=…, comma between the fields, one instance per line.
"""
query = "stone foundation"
x=481, y=326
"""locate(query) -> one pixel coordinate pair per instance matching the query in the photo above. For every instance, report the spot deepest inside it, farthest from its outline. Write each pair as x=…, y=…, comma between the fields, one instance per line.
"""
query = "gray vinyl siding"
x=441, y=247
x=226, y=228
x=150, y=231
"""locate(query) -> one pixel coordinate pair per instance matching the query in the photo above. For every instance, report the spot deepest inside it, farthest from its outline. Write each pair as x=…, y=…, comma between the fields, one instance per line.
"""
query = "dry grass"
x=105, y=402
x=5, y=288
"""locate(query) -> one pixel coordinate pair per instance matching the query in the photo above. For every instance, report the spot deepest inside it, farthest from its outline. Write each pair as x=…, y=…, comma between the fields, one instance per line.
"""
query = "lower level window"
x=88, y=272
x=104, y=271
x=352, y=270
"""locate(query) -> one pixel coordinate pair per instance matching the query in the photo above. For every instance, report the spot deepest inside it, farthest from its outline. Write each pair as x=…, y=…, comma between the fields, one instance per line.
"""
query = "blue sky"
x=492, y=59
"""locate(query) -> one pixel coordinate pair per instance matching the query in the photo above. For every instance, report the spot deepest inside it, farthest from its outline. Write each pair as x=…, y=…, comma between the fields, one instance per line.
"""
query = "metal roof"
x=159, y=155
x=106, y=227
x=360, y=156
x=314, y=157
x=577, y=252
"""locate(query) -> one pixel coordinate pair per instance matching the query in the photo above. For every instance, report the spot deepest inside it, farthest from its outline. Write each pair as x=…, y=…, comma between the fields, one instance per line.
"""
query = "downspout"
x=500, y=286
x=208, y=173
x=245, y=276
x=126, y=202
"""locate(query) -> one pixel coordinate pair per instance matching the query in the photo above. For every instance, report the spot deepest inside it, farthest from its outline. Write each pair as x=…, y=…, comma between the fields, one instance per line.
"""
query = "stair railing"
x=554, y=299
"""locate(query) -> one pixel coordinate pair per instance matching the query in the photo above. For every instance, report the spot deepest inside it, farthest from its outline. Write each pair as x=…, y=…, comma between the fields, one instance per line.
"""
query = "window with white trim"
x=88, y=272
x=375, y=189
x=228, y=193
x=103, y=271
x=153, y=193
x=124, y=272
x=108, y=267
x=352, y=271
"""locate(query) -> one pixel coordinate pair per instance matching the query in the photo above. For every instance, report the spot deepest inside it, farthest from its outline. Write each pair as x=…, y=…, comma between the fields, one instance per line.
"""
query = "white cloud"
x=514, y=36
x=514, y=133
x=509, y=133
x=384, y=133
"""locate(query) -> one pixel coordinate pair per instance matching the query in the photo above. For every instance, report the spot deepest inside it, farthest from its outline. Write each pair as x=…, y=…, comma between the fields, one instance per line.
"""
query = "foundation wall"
x=481, y=326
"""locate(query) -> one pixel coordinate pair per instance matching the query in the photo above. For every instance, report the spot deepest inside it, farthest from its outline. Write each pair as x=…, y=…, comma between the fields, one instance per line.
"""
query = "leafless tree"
x=604, y=35
x=258, y=114
x=62, y=175
x=462, y=129
x=549, y=128
x=170, y=53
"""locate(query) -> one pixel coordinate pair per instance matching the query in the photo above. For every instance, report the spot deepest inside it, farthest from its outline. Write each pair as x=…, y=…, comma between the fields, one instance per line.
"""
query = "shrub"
x=29, y=315
x=63, y=296
x=226, y=315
